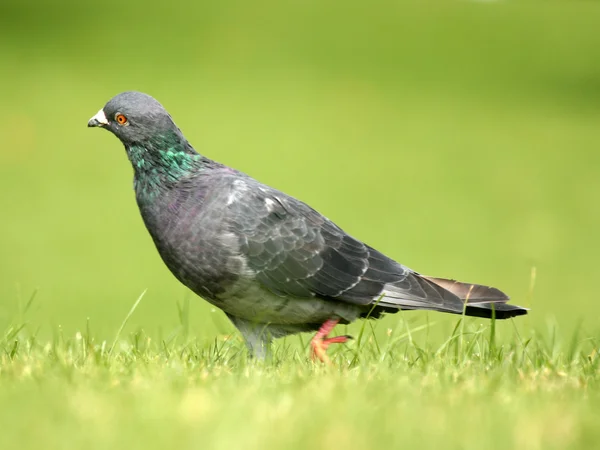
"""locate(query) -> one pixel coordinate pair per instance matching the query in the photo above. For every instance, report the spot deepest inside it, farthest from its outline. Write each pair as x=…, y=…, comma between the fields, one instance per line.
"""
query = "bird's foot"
x=320, y=341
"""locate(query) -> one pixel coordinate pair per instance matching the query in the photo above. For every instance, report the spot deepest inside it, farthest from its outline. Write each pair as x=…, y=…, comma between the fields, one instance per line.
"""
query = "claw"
x=321, y=342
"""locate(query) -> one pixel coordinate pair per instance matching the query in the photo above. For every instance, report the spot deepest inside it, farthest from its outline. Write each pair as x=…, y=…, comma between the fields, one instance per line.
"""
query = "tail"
x=481, y=301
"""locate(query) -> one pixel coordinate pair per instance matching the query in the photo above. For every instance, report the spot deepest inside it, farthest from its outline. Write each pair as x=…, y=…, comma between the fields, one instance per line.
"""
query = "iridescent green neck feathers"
x=161, y=161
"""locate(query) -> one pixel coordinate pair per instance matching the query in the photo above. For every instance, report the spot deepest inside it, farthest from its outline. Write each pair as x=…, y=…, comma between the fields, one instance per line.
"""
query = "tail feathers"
x=482, y=301
x=449, y=296
x=473, y=293
x=498, y=310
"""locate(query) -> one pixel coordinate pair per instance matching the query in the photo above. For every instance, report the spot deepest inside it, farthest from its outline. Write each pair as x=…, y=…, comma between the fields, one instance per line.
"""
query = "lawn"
x=470, y=392
x=457, y=137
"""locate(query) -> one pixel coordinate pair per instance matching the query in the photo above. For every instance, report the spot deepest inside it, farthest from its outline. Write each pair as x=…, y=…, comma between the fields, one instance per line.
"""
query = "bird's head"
x=157, y=149
x=136, y=119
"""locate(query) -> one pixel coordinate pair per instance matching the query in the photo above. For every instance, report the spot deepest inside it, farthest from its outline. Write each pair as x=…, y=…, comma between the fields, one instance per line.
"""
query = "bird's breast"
x=194, y=244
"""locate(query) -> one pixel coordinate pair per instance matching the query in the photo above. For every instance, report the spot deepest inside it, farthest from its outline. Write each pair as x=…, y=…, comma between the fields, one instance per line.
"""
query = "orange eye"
x=121, y=119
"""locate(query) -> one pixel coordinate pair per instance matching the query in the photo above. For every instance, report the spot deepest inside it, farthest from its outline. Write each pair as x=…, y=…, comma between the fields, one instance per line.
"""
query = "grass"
x=459, y=138
x=532, y=391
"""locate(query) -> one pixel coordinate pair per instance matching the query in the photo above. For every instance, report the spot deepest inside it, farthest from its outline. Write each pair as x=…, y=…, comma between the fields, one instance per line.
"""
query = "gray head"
x=135, y=118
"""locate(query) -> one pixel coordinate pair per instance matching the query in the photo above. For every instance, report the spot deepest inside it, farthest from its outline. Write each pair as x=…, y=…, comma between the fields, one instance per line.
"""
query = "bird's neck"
x=161, y=162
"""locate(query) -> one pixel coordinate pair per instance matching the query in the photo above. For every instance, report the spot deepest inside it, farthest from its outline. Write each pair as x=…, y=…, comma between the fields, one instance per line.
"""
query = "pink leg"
x=320, y=342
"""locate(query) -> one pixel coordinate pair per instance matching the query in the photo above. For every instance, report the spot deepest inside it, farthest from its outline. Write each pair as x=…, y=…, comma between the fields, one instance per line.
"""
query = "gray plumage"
x=273, y=264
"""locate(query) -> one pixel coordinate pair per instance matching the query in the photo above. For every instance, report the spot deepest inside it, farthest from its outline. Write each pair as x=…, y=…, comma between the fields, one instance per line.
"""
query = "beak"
x=99, y=120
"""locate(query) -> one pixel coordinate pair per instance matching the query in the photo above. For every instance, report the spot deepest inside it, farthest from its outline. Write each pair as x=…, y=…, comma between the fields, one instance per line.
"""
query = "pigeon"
x=272, y=263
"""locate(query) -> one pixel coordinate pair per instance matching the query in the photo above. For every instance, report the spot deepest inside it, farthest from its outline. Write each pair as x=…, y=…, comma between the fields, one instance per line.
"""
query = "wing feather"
x=295, y=251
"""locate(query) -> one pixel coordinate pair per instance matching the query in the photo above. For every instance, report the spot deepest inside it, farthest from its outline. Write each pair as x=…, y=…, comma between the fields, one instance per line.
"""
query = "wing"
x=295, y=251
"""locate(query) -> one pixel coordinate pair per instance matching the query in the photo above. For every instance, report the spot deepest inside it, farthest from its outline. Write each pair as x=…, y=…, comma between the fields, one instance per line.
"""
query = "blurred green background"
x=460, y=138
